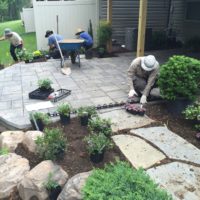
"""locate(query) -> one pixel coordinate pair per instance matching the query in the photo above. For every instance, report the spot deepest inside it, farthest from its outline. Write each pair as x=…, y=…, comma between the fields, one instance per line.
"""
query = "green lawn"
x=29, y=40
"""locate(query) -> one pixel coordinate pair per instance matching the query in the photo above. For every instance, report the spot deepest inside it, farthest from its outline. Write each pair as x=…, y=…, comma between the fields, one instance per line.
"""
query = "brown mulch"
x=76, y=158
x=177, y=124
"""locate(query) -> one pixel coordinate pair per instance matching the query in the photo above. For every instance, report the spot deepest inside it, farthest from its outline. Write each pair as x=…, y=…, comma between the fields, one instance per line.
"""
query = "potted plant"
x=45, y=84
x=64, y=112
x=96, y=146
x=97, y=125
x=52, y=145
x=41, y=119
x=85, y=113
x=53, y=188
x=179, y=82
x=101, y=52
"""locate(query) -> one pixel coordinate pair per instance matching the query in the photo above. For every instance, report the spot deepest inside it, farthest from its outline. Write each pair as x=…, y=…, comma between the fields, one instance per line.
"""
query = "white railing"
x=64, y=17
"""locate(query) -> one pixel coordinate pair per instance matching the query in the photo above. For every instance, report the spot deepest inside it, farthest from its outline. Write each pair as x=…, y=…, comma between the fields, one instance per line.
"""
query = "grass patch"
x=28, y=38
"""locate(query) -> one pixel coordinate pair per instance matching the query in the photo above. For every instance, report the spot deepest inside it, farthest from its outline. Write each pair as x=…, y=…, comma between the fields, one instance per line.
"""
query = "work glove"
x=143, y=99
x=132, y=93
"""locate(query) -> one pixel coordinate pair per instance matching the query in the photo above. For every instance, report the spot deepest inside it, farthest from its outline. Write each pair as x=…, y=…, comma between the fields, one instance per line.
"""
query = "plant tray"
x=59, y=94
x=40, y=94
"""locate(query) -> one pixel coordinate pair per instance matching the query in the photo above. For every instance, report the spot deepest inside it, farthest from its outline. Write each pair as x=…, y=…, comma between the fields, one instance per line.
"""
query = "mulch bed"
x=76, y=158
x=177, y=124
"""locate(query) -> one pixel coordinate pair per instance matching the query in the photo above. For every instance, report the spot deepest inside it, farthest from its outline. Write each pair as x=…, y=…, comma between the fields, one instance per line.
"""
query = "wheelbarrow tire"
x=73, y=57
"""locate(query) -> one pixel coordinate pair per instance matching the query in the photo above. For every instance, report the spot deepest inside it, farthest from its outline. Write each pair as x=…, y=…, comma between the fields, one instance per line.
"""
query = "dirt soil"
x=76, y=158
x=177, y=124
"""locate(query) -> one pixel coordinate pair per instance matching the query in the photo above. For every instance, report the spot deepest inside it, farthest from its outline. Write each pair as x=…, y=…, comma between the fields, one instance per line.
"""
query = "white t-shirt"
x=15, y=39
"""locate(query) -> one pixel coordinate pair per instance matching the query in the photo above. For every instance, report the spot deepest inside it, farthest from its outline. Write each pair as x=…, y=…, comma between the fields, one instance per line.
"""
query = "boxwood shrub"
x=180, y=78
x=120, y=181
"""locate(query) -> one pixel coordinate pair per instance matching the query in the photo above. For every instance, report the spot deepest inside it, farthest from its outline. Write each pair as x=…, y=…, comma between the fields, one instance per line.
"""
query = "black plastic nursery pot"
x=198, y=136
x=40, y=124
x=40, y=93
x=97, y=157
x=89, y=54
x=53, y=194
x=176, y=107
x=33, y=125
x=84, y=120
x=65, y=119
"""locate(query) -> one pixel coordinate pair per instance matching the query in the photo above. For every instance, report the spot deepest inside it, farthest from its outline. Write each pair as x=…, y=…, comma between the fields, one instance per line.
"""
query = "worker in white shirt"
x=15, y=40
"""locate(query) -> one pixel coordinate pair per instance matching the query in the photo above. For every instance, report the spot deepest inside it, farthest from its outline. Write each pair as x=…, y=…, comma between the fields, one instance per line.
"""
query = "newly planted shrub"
x=87, y=109
x=180, y=78
x=193, y=112
x=98, y=125
x=45, y=84
x=104, y=33
x=64, y=109
x=50, y=183
x=42, y=116
x=52, y=144
x=120, y=181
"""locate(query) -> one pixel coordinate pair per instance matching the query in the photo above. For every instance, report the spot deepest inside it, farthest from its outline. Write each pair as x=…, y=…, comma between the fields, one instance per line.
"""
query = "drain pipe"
x=169, y=15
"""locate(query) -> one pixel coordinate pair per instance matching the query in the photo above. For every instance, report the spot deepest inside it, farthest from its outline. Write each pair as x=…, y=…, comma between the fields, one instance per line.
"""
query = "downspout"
x=168, y=25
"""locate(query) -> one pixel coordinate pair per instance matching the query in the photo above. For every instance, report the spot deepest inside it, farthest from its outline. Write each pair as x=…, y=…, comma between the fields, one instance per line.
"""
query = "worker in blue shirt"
x=53, y=48
x=88, y=41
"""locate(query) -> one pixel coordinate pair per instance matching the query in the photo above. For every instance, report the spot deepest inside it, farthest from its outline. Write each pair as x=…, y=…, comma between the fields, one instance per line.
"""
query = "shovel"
x=64, y=68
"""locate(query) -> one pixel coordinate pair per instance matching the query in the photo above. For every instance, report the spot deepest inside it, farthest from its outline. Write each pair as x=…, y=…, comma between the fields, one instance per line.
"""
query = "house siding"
x=125, y=15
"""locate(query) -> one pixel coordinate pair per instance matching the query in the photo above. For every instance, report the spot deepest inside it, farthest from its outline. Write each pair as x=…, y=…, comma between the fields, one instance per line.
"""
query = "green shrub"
x=24, y=55
x=45, y=84
x=98, y=125
x=180, y=78
x=64, y=109
x=104, y=33
x=4, y=151
x=193, y=112
x=120, y=181
x=97, y=143
x=90, y=110
x=50, y=184
x=51, y=145
x=42, y=116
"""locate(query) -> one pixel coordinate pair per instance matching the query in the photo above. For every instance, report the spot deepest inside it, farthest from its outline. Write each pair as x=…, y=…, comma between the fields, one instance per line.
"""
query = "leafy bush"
x=120, y=181
x=50, y=184
x=45, y=84
x=64, y=109
x=97, y=143
x=90, y=110
x=104, y=33
x=52, y=144
x=37, y=53
x=98, y=125
x=180, y=77
x=24, y=55
x=4, y=151
x=193, y=112
x=42, y=116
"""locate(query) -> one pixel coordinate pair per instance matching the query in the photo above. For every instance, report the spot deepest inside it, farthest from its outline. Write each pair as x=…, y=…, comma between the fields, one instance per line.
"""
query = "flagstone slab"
x=179, y=179
x=171, y=144
x=123, y=120
x=137, y=151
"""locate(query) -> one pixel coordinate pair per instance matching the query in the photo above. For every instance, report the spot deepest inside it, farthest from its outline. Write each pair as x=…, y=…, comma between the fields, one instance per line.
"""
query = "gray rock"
x=29, y=140
x=11, y=139
x=179, y=179
x=12, y=170
x=32, y=184
x=171, y=144
x=72, y=189
x=123, y=120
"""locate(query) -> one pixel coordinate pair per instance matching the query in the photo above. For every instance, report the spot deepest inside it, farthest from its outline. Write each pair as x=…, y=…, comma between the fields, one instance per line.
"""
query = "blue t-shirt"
x=52, y=40
x=88, y=39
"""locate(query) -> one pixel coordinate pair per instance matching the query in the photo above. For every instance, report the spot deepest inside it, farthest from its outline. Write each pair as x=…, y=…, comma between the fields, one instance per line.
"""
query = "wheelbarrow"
x=71, y=47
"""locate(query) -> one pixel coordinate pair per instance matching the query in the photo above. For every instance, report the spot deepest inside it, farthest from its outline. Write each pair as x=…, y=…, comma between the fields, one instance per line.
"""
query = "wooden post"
x=109, y=19
x=142, y=28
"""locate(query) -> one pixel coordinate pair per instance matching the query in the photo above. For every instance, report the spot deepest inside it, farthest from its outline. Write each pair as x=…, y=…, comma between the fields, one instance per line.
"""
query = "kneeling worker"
x=142, y=76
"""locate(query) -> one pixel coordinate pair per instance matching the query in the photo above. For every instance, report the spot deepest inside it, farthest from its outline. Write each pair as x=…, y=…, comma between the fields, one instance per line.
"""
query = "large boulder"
x=11, y=139
x=72, y=189
x=30, y=138
x=32, y=184
x=12, y=170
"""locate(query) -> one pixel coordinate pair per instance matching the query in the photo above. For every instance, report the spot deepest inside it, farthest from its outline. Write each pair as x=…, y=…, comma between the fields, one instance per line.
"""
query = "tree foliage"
x=10, y=9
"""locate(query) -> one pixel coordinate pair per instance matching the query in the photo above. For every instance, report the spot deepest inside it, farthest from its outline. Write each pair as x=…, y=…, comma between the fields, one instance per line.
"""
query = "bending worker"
x=142, y=76
x=88, y=41
x=15, y=40
x=53, y=48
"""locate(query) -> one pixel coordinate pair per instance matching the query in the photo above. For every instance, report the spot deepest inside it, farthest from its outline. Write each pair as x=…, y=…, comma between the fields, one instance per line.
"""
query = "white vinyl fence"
x=28, y=19
x=64, y=17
